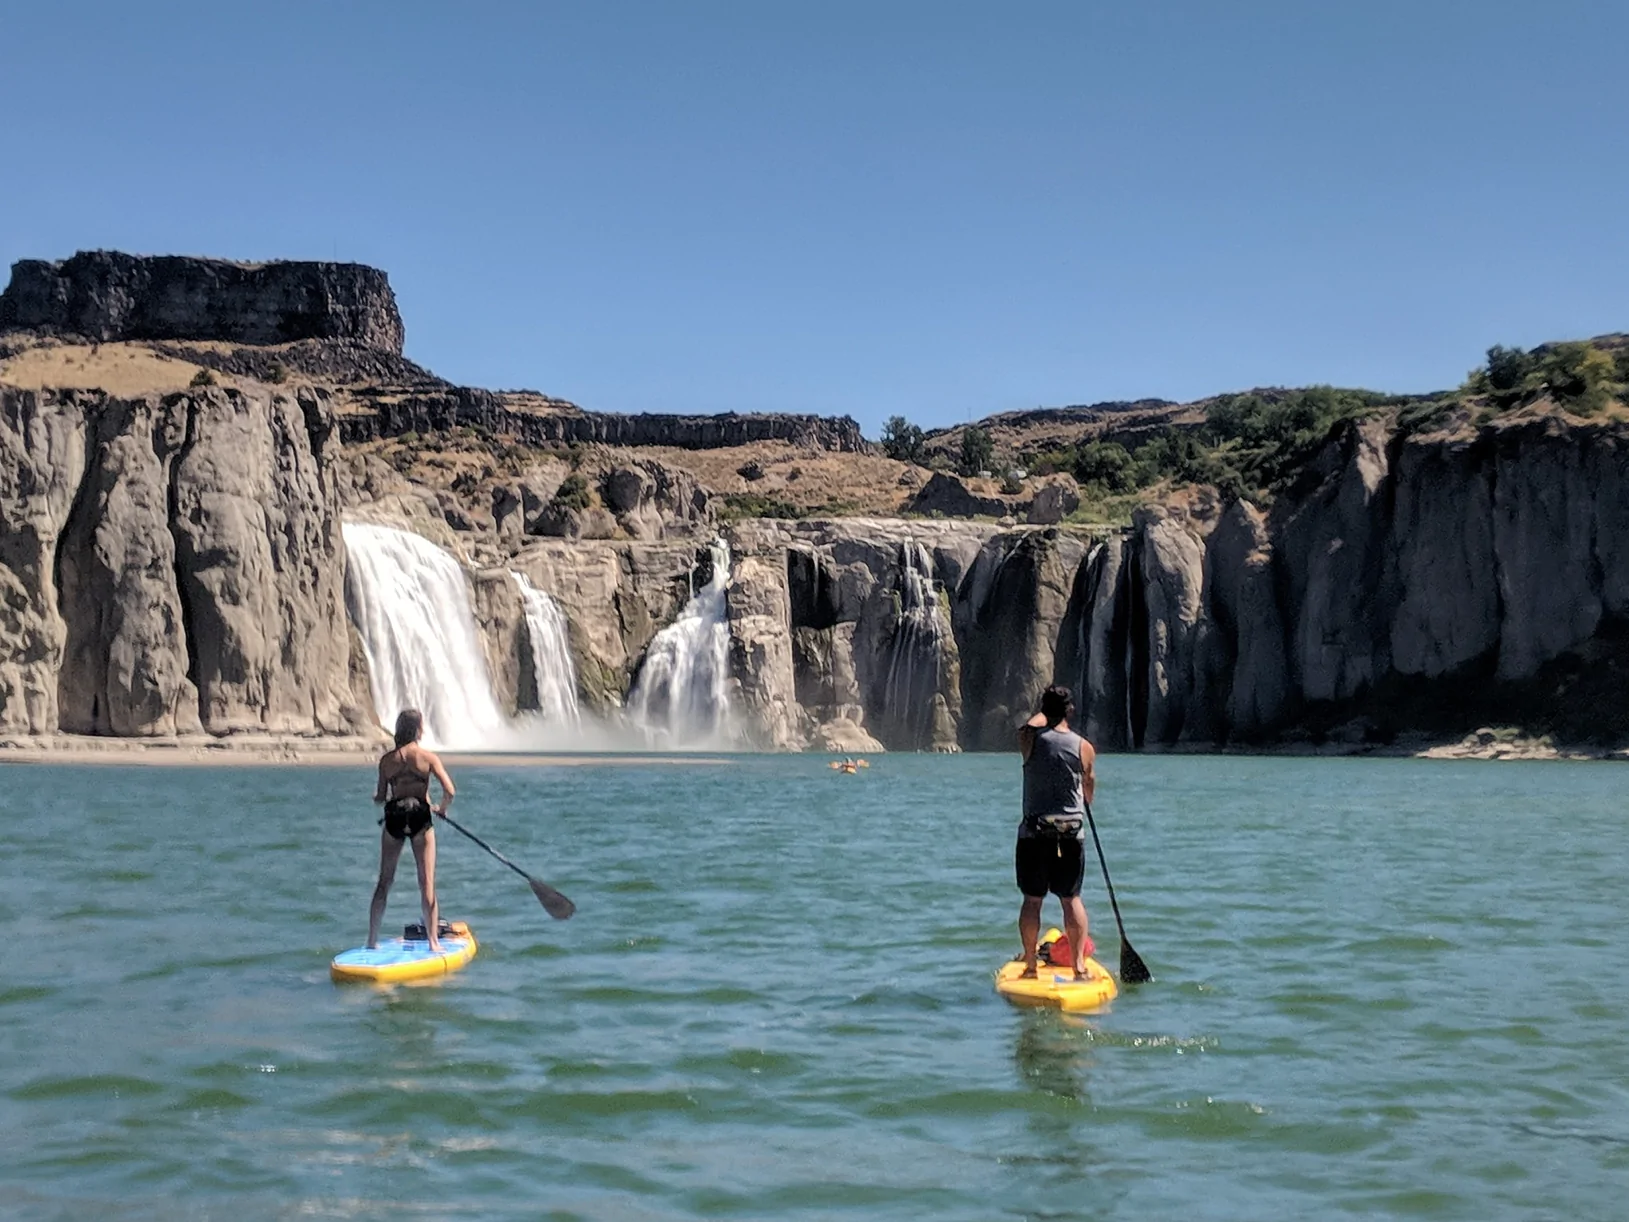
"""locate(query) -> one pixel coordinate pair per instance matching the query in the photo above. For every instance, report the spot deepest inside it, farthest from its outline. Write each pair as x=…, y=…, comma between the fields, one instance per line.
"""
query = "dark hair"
x=1056, y=704
x=409, y=725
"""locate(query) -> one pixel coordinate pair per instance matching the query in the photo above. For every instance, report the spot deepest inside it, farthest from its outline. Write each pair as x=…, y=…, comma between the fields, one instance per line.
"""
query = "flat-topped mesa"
x=108, y=296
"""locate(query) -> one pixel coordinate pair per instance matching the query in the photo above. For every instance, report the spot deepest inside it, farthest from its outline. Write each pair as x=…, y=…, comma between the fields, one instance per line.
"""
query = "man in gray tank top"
x=1051, y=856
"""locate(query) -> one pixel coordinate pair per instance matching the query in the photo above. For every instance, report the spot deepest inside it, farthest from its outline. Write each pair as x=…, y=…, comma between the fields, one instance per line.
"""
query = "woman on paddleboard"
x=1051, y=856
x=404, y=787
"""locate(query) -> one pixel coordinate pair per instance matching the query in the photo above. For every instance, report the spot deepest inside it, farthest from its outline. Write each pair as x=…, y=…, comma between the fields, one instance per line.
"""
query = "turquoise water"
x=1386, y=988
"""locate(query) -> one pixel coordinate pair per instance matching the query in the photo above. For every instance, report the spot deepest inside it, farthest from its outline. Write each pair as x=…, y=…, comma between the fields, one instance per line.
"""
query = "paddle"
x=555, y=904
x=1132, y=968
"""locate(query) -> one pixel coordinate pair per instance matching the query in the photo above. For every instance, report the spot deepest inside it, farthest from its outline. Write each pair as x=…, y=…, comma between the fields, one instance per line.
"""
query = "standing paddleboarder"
x=1051, y=856
x=404, y=787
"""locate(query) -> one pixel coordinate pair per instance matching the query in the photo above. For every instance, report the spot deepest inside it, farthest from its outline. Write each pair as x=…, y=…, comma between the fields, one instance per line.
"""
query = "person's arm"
x=1026, y=735
x=440, y=774
x=1088, y=770
x=379, y=790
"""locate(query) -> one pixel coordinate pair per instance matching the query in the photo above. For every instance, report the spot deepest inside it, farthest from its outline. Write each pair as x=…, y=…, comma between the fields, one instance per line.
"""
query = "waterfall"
x=551, y=657
x=409, y=601
x=913, y=666
x=681, y=697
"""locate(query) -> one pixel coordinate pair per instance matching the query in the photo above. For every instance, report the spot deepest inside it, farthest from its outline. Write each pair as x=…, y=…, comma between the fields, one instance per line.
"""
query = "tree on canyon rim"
x=902, y=440
x=978, y=451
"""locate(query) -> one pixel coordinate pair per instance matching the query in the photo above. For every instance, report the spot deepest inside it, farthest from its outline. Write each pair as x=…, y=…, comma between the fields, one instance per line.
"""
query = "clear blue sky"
x=936, y=209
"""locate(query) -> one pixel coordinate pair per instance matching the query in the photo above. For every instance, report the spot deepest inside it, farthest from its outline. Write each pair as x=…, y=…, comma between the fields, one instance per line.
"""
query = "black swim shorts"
x=1044, y=864
x=406, y=817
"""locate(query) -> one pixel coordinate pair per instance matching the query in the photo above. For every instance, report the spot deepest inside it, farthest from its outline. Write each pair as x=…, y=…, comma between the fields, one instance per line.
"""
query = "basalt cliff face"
x=105, y=296
x=170, y=565
x=1414, y=583
x=172, y=562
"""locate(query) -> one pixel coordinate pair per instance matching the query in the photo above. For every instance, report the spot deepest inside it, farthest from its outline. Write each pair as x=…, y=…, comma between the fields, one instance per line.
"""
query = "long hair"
x=409, y=725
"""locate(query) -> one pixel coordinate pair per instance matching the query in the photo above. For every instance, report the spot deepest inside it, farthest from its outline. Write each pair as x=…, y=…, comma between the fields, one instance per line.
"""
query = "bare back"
x=405, y=772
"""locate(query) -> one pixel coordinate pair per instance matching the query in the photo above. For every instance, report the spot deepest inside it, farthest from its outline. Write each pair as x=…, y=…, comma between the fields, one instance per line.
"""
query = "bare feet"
x=436, y=948
x=1029, y=973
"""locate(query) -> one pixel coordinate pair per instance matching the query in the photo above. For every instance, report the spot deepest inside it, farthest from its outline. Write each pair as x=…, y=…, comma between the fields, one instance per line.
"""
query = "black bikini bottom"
x=406, y=817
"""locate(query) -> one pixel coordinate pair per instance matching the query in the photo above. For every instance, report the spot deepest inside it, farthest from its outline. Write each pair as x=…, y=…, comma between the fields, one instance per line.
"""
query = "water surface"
x=1387, y=988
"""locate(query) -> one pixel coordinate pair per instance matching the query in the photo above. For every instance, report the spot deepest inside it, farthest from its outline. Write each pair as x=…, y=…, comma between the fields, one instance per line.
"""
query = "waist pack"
x=1055, y=827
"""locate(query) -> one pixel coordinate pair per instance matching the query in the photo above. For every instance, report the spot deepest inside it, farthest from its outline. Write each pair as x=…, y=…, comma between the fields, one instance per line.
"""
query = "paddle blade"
x=555, y=904
x=1132, y=968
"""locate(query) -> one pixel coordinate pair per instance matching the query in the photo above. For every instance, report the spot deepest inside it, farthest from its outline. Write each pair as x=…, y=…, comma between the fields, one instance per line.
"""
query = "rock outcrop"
x=104, y=295
x=174, y=565
x=447, y=408
x=1413, y=583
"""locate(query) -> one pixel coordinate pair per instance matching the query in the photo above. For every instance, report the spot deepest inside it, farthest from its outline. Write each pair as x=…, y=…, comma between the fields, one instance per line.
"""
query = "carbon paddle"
x=1132, y=968
x=555, y=904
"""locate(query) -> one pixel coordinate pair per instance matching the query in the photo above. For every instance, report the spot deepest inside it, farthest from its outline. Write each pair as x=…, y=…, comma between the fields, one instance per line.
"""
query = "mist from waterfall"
x=552, y=668
x=410, y=603
x=913, y=665
x=681, y=697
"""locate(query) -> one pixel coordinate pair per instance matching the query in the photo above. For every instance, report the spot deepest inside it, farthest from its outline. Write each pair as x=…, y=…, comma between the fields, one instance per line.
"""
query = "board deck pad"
x=406, y=958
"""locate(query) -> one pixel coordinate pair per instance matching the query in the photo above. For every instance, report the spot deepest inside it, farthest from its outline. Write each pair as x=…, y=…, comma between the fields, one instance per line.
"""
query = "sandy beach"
x=259, y=750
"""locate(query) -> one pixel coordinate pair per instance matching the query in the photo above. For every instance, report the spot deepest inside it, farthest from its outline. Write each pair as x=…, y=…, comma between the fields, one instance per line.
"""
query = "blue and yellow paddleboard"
x=397, y=959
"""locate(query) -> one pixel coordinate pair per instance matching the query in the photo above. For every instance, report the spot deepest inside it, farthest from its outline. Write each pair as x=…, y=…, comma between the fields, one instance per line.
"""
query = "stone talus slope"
x=171, y=564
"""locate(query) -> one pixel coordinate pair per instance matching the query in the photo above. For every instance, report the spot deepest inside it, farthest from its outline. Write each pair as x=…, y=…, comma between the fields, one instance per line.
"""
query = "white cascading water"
x=410, y=602
x=913, y=666
x=681, y=698
x=551, y=658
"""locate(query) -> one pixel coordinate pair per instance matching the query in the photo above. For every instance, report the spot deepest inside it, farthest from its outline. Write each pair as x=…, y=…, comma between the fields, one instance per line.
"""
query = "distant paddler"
x=404, y=787
x=1059, y=781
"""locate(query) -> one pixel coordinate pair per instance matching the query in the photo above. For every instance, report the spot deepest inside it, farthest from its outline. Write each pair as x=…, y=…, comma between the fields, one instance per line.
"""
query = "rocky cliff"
x=1415, y=582
x=172, y=562
x=104, y=295
x=170, y=565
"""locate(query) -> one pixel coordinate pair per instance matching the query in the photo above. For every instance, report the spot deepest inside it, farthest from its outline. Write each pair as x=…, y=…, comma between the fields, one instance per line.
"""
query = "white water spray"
x=552, y=667
x=681, y=698
x=410, y=603
x=913, y=665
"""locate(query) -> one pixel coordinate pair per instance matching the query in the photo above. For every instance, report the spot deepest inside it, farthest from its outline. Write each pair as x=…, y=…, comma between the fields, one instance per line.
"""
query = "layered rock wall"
x=105, y=295
x=1415, y=582
x=173, y=565
x=453, y=407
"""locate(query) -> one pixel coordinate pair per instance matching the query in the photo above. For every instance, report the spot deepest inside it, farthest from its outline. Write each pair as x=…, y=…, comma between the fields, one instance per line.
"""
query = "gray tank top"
x=1052, y=776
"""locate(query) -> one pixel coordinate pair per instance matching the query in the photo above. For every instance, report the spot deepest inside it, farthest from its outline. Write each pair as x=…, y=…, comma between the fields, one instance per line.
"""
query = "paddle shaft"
x=1132, y=967
x=449, y=819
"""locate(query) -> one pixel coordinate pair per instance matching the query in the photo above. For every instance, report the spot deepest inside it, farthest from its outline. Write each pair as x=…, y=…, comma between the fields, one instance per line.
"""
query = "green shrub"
x=573, y=492
x=1106, y=464
x=203, y=377
x=277, y=374
x=902, y=440
x=757, y=505
x=977, y=452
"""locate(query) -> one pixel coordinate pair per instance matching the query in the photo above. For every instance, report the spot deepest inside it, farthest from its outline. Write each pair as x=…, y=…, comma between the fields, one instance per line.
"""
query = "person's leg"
x=424, y=853
x=1030, y=874
x=390, y=850
x=1069, y=875
x=1074, y=924
x=1029, y=931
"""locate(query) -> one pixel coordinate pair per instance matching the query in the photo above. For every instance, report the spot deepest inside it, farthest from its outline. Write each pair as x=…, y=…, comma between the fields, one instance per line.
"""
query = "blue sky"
x=934, y=209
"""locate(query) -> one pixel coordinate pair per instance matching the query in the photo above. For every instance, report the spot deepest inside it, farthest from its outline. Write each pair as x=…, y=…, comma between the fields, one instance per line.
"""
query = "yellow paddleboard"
x=1056, y=986
x=397, y=959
